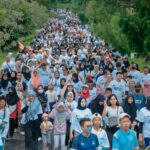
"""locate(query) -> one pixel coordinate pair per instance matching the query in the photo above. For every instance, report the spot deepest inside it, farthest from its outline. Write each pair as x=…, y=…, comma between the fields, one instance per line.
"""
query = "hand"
x=133, y=126
x=68, y=106
x=28, y=102
x=140, y=139
x=105, y=105
x=71, y=136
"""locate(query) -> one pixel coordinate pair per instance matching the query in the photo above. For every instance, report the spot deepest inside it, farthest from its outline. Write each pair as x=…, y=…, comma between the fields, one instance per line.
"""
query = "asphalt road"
x=17, y=143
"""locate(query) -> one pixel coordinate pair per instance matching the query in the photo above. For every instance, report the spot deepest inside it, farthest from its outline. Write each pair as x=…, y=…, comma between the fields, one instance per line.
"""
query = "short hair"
x=83, y=120
x=2, y=97
x=118, y=73
x=108, y=89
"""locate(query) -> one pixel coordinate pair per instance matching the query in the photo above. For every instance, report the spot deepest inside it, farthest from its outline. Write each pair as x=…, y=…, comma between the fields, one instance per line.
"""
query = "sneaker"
x=16, y=130
x=22, y=133
x=39, y=139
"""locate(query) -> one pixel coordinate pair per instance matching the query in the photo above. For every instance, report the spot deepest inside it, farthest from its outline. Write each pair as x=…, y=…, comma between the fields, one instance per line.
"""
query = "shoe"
x=39, y=139
x=16, y=130
x=22, y=133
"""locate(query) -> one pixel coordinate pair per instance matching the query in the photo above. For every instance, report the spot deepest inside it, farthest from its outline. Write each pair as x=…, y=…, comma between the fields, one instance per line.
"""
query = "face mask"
x=88, y=129
x=40, y=91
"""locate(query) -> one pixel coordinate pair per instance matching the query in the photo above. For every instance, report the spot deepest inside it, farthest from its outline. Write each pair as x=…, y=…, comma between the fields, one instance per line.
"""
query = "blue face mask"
x=88, y=129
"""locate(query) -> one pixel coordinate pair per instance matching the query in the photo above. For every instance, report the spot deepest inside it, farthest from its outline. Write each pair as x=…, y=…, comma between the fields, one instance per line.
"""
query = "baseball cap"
x=122, y=115
x=96, y=115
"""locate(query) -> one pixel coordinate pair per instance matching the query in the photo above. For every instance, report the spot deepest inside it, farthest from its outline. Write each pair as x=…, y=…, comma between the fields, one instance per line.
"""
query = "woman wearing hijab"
x=4, y=84
x=34, y=81
x=31, y=109
x=97, y=105
x=86, y=94
x=130, y=108
x=13, y=77
x=80, y=112
x=60, y=114
x=41, y=97
x=14, y=106
x=76, y=82
x=26, y=74
x=144, y=127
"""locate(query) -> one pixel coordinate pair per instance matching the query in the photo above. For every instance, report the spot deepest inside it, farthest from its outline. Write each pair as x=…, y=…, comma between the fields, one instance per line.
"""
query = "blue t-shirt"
x=124, y=140
x=85, y=143
x=140, y=100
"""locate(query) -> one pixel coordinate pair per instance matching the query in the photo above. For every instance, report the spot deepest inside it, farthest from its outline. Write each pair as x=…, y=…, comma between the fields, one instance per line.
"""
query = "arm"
x=104, y=111
x=19, y=106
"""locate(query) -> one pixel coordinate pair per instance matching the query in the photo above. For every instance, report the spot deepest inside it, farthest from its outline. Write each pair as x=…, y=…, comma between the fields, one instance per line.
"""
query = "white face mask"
x=40, y=91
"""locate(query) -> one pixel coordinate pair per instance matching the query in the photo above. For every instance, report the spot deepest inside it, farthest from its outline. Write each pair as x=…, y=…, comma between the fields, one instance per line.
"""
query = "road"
x=17, y=143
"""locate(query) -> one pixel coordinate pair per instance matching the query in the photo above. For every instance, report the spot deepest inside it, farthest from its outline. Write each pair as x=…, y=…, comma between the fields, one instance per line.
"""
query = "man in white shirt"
x=8, y=64
x=118, y=86
x=145, y=76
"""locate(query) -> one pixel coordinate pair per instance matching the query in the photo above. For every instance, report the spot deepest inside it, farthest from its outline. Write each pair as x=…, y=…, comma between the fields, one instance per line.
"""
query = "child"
x=4, y=121
x=51, y=96
x=70, y=102
x=125, y=138
x=46, y=128
x=101, y=134
x=60, y=116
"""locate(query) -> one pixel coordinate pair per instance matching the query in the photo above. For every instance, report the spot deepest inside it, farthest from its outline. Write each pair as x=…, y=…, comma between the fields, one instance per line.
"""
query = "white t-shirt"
x=145, y=77
x=118, y=88
x=136, y=75
x=76, y=116
x=114, y=112
x=144, y=117
x=51, y=96
x=102, y=138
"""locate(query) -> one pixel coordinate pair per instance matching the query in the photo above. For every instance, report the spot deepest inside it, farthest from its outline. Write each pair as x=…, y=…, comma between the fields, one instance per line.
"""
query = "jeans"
x=147, y=141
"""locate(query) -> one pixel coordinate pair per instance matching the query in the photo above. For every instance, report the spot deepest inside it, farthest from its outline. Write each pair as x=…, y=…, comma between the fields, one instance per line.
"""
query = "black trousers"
x=31, y=134
x=110, y=132
x=12, y=125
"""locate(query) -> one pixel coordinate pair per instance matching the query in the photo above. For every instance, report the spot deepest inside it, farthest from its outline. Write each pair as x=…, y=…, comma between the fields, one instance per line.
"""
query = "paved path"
x=17, y=143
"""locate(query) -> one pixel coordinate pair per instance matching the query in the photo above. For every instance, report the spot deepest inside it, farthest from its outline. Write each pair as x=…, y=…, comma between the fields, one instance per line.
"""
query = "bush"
x=19, y=18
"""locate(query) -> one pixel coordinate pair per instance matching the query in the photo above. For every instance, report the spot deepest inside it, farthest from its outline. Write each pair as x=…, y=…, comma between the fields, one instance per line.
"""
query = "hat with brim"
x=123, y=115
x=96, y=115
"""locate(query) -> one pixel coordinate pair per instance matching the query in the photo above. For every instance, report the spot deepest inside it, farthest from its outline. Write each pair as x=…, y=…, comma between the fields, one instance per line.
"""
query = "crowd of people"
x=73, y=91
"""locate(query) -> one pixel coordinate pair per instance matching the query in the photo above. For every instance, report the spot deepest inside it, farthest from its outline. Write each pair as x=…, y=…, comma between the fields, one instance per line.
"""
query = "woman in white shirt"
x=80, y=112
x=112, y=112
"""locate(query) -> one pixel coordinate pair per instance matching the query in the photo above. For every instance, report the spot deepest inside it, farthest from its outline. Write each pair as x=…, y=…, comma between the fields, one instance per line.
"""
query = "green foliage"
x=123, y=23
x=19, y=18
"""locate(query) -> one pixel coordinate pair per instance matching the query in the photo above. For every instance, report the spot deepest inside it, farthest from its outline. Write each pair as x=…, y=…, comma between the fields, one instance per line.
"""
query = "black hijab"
x=4, y=83
x=42, y=98
x=12, y=97
x=95, y=104
x=26, y=75
x=13, y=79
x=75, y=78
x=130, y=108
